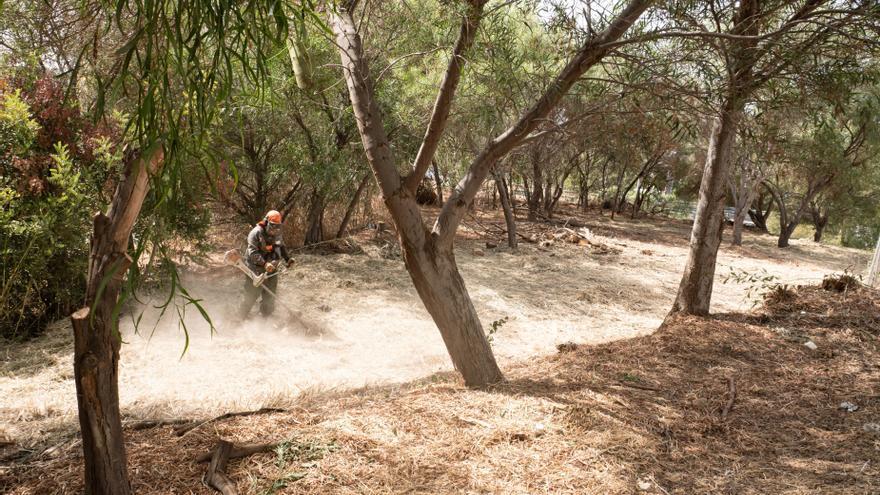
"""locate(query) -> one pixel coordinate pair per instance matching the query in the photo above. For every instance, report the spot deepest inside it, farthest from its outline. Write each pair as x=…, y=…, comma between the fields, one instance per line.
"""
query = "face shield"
x=273, y=228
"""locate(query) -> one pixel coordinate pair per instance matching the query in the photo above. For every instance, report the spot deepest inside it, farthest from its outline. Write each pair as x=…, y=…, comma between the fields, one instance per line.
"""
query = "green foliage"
x=55, y=172
x=760, y=283
x=494, y=327
x=284, y=481
x=18, y=129
x=305, y=453
x=44, y=252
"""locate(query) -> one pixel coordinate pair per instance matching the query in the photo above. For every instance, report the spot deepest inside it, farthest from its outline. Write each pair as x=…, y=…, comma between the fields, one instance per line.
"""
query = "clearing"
x=376, y=334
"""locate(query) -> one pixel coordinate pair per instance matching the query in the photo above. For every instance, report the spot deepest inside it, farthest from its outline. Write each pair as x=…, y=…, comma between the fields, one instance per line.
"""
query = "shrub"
x=45, y=207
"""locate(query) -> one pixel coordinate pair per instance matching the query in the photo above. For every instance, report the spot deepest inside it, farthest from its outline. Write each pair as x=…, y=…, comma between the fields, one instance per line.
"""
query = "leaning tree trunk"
x=428, y=255
x=96, y=336
x=695, y=289
x=509, y=219
x=431, y=266
x=438, y=282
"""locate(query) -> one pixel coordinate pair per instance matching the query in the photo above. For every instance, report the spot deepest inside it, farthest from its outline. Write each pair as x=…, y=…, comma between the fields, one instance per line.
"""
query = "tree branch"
x=588, y=55
x=443, y=104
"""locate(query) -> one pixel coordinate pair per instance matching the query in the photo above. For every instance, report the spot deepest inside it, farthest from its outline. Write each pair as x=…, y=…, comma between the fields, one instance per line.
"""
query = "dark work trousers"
x=251, y=293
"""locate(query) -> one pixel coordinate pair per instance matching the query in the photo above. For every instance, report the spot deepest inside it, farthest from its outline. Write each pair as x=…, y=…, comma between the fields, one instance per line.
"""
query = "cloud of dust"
x=264, y=360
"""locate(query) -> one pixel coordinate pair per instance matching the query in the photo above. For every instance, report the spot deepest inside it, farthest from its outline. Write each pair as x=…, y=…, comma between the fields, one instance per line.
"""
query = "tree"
x=172, y=77
x=829, y=146
x=754, y=43
x=759, y=146
x=96, y=342
x=428, y=255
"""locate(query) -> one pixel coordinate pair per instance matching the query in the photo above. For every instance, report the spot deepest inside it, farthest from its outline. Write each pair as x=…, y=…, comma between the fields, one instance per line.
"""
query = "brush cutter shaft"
x=233, y=258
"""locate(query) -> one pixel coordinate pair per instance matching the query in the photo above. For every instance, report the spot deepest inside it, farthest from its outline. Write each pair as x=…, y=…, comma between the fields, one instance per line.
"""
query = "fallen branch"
x=241, y=451
x=729, y=405
x=638, y=386
x=576, y=233
x=555, y=221
x=153, y=423
x=186, y=428
x=216, y=477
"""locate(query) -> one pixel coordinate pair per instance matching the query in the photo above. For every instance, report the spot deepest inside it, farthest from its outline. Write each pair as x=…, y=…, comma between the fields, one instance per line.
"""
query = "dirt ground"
x=376, y=333
x=735, y=404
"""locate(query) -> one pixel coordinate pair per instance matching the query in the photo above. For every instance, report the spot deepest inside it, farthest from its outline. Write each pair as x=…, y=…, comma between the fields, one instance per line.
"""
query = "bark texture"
x=695, y=289
x=428, y=255
x=96, y=340
x=432, y=269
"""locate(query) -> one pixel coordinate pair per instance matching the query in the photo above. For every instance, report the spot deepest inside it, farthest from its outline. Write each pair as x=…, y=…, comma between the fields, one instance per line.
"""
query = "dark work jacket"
x=263, y=248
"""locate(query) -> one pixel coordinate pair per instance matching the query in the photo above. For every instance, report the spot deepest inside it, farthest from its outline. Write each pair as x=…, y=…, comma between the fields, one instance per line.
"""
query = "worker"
x=265, y=253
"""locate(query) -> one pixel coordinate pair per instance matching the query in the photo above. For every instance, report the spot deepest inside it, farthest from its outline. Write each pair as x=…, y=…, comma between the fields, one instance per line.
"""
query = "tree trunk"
x=786, y=226
x=641, y=196
x=616, y=204
x=527, y=191
x=820, y=228
x=743, y=205
x=436, y=278
x=695, y=290
x=874, y=270
x=760, y=214
x=509, y=219
x=785, y=232
x=315, y=220
x=820, y=220
x=96, y=339
x=604, y=194
x=439, y=182
x=738, y=223
x=343, y=226
x=431, y=267
x=537, y=194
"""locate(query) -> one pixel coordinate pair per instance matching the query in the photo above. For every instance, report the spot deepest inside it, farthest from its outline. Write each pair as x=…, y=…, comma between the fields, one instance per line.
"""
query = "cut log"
x=216, y=477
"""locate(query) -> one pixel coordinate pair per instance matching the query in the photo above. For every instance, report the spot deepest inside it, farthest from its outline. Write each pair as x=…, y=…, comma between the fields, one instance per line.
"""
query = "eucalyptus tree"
x=750, y=43
x=758, y=148
x=428, y=254
x=171, y=65
x=830, y=147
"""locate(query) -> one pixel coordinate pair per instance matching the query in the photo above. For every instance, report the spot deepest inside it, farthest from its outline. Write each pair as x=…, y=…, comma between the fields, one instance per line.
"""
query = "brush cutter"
x=233, y=258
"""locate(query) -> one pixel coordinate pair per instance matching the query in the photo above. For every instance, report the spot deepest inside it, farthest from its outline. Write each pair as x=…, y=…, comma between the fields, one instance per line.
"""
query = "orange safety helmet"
x=272, y=222
x=272, y=217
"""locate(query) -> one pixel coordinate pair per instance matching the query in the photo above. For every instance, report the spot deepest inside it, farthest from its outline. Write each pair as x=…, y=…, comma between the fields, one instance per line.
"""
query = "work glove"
x=270, y=267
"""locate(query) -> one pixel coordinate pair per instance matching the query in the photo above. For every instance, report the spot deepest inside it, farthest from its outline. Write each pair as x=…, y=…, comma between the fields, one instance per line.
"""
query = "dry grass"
x=632, y=416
